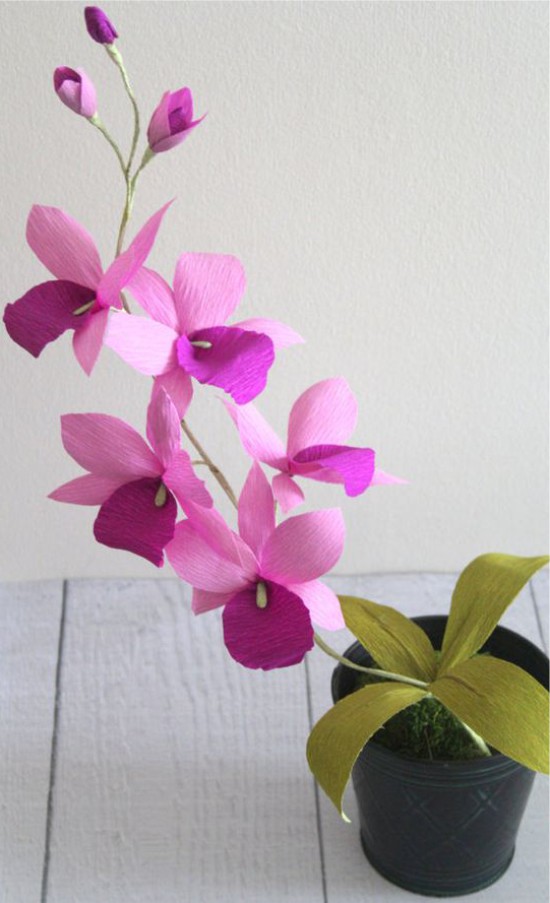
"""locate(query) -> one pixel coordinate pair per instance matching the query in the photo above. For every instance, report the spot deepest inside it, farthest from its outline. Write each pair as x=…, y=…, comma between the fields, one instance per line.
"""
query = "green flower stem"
x=479, y=741
x=116, y=57
x=96, y=121
x=215, y=471
x=376, y=672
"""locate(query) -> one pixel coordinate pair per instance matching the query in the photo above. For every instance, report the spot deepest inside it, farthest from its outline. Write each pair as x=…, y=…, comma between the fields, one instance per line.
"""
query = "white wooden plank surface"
x=180, y=775
x=29, y=631
x=349, y=877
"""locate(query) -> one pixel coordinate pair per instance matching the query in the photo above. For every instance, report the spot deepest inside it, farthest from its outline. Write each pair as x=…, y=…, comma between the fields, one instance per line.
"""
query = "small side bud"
x=75, y=90
x=172, y=121
x=99, y=26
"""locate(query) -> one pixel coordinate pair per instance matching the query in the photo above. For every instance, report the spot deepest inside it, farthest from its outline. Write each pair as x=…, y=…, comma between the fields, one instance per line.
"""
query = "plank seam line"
x=316, y=790
x=537, y=616
x=53, y=752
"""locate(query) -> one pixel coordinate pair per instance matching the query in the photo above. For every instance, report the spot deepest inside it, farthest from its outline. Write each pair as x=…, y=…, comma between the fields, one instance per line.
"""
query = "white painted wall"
x=380, y=169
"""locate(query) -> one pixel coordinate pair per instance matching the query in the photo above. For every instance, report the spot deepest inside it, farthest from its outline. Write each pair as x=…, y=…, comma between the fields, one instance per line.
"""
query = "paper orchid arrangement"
x=266, y=575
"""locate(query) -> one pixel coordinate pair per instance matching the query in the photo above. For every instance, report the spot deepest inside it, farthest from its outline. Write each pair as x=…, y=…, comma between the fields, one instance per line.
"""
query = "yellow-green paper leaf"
x=340, y=735
x=395, y=643
x=501, y=703
x=482, y=594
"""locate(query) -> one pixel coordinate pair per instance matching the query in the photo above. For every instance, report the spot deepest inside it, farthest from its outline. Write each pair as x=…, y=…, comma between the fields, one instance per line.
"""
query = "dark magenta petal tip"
x=99, y=26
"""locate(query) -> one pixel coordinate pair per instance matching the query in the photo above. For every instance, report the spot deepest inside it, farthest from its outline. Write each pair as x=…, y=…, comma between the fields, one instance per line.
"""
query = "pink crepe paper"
x=172, y=121
x=136, y=485
x=265, y=577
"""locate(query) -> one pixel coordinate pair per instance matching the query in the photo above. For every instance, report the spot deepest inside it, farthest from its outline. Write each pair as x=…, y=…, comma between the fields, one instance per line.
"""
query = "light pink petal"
x=127, y=264
x=304, y=547
x=204, y=601
x=276, y=636
x=281, y=335
x=63, y=246
x=130, y=519
x=256, y=509
x=211, y=526
x=207, y=289
x=381, y=478
x=326, y=413
x=257, y=437
x=163, y=427
x=322, y=603
x=287, y=492
x=87, y=490
x=182, y=480
x=178, y=385
x=144, y=344
x=88, y=339
x=159, y=125
x=354, y=467
x=45, y=312
x=194, y=560
x=155, y=296
x=236, y=361
x=107, y=446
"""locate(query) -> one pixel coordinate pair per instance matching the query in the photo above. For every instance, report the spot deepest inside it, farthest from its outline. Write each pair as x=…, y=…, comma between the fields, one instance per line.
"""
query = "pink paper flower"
x=82, y=293
x=172, y=120
x=135, y=485
x=99, y=26
x=75, y=90
x=185, y=337
x=322, y=418
x=265, y=577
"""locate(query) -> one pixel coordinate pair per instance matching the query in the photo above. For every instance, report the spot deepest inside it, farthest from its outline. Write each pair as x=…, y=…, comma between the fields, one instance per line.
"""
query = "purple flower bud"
x=172, y=120
x=99, y=26
x=75, y=90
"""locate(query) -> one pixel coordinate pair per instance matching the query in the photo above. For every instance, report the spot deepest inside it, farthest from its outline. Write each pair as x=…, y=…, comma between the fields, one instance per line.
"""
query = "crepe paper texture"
x=99, y=26
x=75, y=90
x=322, y=418
x=484, y=692
x=172, y=121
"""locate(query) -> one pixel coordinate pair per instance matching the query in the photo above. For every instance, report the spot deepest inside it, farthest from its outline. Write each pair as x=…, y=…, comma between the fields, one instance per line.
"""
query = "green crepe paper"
x=482, y=594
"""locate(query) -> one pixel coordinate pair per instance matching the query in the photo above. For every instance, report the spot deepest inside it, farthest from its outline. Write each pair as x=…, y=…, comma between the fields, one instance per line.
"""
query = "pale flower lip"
x=76, y=90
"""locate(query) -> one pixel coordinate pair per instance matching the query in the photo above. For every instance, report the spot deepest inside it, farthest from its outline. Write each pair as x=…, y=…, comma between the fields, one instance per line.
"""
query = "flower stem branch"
x=479, y=741
x=215, y=471
x=96, y=121
x=376, y=672
x=116, y=57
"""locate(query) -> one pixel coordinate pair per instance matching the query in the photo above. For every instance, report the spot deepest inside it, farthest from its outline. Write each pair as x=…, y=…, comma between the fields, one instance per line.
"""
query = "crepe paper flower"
x=185, y=337
x=265, y=577
x=321, y=419
x=75, y=90
x=82, y=293
x=99, y=26
x=136, y=485
x=172, y=120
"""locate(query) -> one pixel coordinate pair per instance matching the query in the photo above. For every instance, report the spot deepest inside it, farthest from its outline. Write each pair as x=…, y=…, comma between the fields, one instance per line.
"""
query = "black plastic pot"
x=441, y=828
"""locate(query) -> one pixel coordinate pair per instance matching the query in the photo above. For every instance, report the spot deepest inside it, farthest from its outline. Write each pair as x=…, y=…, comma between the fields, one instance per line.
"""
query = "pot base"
x=434, y=889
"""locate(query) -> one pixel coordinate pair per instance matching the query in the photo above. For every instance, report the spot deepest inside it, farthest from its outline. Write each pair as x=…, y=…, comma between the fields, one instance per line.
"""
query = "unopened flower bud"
x=172, y=120
x=99, y=26
x=75, y=90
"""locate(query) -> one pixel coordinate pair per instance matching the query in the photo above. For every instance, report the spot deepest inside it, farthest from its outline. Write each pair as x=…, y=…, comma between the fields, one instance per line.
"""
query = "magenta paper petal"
x=322, y=603
x=281, y=335
x=87, y=490
x=163, y=427
x=237, y=362
x=182, y=480
x=142, y=343
x=326, y=413
x=257, y=437
x=256, y=509
x=63, y=246
x=304, y=547
x=155, y=296
x=159, y=125
x=127, y=264
x=130, y=520
x=211, y=526
x=381, y=478
x=194, y=560
x=203, y=601
x=354, y=467
x=46, y=312
x=88, y=339
x=207, y=289
x=287, y=492
x=276, y=636
x=107, y=446
x=178, y=386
